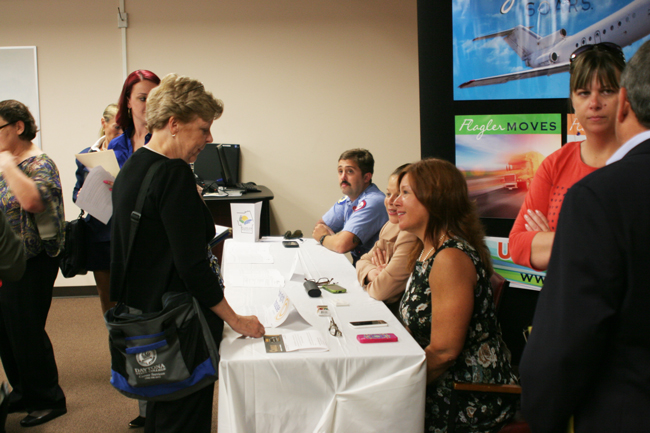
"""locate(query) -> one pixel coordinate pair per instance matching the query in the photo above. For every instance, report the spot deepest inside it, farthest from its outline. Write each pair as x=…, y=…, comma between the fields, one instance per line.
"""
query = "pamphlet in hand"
x=95, y=196
x=104, y=159
x=305, y=341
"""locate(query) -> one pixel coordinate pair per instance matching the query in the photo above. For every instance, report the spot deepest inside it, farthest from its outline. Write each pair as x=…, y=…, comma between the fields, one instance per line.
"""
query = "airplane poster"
x=519, y=49
x=500, y=154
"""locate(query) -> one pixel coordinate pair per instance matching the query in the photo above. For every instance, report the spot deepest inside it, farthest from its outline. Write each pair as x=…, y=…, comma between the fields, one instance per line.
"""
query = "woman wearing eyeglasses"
x=595, y=72
x=31, y=199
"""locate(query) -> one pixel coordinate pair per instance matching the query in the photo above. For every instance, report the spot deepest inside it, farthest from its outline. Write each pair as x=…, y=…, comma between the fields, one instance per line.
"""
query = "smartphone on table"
x=290, y=244
x=376, y=338
x=334, y=288
x=368, y=323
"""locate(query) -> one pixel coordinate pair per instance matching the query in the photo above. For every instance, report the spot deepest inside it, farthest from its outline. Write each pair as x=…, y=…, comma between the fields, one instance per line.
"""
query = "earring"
x=129, y=111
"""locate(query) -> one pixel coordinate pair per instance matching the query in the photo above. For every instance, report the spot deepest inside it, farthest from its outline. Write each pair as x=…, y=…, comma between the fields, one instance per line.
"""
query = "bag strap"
x=136, y=215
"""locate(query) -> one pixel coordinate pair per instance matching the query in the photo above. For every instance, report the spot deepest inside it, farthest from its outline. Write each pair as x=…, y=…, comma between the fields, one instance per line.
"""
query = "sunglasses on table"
x=603, y=46
x=295, y=235
x=321, y=281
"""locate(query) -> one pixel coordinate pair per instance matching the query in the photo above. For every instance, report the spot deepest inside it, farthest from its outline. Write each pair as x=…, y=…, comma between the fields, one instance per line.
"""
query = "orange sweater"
x=557, y=173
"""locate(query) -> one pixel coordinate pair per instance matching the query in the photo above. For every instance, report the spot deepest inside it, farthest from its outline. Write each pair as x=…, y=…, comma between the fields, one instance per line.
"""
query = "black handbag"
x=72, y=260
x=164, y=355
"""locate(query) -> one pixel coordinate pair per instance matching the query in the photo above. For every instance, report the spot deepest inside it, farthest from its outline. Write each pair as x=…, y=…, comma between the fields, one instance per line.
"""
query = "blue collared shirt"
x=123, y=147
x=363, y=217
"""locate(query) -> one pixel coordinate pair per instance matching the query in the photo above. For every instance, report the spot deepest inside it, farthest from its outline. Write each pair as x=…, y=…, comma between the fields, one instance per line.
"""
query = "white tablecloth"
x=353, y=387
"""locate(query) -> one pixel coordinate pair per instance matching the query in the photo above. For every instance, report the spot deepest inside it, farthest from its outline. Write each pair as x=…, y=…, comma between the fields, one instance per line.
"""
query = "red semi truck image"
x=520, y=170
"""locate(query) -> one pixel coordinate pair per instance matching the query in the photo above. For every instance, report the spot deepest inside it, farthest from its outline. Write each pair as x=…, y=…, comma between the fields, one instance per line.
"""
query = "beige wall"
x=301, y=82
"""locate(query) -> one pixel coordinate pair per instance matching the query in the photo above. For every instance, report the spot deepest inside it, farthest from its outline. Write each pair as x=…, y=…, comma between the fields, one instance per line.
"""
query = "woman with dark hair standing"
x=31, y=198
x=595, y=72
x=448, y=306
x=131, y=114
x=132, y=108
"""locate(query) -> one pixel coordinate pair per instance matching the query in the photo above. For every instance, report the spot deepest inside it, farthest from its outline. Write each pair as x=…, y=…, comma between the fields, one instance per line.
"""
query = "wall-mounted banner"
x=519, y=276
x=519, y=49
x=499, y=155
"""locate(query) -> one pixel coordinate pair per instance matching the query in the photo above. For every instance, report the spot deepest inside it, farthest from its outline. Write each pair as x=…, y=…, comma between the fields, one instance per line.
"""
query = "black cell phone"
x=290, y=244
x=368, y=323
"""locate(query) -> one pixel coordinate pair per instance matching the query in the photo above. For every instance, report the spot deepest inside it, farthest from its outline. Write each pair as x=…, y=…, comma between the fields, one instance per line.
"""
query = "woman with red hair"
x=131, y=114
x=131, y=117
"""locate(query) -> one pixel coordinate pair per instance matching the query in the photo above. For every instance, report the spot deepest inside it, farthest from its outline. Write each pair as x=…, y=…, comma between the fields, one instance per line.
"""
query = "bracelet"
x=322, y=238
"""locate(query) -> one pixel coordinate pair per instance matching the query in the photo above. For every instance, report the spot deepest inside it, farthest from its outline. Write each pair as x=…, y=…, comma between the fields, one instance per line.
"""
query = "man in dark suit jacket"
x=588, y=355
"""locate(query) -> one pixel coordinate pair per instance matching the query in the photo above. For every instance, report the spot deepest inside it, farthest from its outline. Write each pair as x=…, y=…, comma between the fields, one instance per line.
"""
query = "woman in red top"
x=595, y=72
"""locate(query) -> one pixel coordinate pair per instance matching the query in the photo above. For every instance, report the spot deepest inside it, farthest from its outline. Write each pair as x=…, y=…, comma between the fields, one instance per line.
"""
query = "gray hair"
x=183, y=98
x=636, y=81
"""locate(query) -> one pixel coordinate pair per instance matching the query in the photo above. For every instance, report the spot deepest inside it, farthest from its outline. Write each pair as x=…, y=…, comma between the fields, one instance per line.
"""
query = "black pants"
x=25, y=348
x=188, y=414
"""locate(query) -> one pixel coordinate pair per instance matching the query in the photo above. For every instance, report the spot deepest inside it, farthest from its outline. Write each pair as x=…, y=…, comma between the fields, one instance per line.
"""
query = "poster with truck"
x=500, y=154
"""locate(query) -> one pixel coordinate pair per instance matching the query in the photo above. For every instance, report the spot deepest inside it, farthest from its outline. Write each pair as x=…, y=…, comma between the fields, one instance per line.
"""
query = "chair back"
x=498, y=283
x=515, y=312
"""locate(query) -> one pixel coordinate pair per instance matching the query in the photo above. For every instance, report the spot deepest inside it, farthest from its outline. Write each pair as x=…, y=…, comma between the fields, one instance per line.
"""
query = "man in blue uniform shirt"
x=353, y=223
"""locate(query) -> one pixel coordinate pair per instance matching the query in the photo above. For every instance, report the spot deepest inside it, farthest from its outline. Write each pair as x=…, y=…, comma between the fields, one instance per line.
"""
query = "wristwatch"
x=322, y=238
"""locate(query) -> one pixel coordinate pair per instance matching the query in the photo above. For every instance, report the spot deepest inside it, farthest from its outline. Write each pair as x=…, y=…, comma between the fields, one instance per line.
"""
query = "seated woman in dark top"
x=448, y=305
x=170, y=248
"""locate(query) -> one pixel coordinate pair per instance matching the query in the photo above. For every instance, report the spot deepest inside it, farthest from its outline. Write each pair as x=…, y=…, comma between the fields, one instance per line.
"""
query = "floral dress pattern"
x=42, y=170
x=484, y=358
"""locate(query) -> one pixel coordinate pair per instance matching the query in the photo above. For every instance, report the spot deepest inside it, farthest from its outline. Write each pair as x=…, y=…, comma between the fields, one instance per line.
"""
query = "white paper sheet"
x=104, y=159
x=307, y=341
x=95, y=196
x=272, y=316
x=241, y=252
x=252, y=276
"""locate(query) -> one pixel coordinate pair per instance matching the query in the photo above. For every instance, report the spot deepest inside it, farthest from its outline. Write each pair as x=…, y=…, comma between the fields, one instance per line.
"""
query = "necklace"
x=431, y=250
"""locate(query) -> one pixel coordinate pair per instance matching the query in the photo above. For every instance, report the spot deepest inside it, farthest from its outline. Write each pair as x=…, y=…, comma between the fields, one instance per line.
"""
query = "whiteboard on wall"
x=19, y=80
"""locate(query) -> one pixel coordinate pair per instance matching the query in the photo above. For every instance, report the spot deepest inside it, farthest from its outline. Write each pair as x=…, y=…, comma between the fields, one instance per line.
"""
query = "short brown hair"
x=602, y=63
x=182, y=98
x=13, y=111
x=362, y=158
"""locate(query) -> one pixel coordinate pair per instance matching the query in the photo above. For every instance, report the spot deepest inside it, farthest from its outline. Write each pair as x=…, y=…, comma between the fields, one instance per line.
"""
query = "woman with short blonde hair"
x=169, y=252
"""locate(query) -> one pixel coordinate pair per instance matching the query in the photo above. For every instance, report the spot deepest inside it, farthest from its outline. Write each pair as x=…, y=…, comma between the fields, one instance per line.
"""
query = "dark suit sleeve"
x=573, y=324
x=12, y=252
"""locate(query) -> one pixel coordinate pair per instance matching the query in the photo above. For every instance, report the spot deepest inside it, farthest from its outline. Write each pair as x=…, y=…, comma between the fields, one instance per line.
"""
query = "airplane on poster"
x=550, y=54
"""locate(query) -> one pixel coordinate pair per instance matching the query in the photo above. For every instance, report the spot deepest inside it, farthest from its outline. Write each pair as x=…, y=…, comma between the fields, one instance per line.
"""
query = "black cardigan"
x=169, y=251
